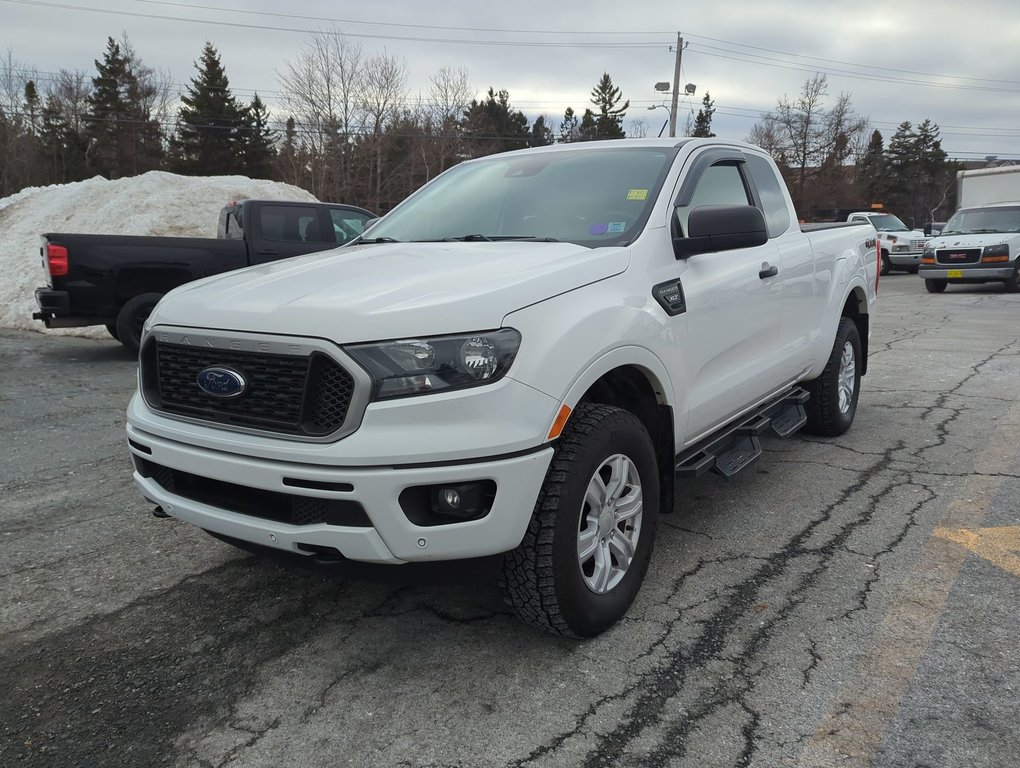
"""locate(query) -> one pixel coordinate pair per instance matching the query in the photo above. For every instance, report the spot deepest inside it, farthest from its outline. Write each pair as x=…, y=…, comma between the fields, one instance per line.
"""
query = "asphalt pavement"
x=844, y=602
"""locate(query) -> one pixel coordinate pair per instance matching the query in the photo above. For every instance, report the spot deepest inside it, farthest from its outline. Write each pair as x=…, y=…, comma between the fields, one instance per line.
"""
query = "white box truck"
x=982, y=186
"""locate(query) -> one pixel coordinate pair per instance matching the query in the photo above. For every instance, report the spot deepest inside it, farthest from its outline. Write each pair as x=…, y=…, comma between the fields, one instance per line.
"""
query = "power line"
x=572, y=31
x=849, y=63
x=305, y=31
x=781, y=64
x=445, y=27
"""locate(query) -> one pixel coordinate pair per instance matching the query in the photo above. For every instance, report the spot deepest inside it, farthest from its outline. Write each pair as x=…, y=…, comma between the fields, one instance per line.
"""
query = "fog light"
x=464, y=501
x=448, y=503
x=449, y=499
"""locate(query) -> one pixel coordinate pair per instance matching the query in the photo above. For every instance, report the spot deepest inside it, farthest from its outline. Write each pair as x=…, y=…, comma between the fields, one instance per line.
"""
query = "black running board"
x=737, y=446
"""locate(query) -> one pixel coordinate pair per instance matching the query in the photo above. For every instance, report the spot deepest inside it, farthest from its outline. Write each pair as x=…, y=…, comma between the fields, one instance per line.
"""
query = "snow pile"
x=155, y=203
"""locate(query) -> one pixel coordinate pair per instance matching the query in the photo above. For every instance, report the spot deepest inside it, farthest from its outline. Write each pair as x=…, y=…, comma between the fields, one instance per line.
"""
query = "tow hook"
x=158, y=512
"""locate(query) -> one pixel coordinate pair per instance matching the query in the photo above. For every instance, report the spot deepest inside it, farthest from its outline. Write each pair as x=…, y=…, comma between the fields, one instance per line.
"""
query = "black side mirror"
x=721, y=228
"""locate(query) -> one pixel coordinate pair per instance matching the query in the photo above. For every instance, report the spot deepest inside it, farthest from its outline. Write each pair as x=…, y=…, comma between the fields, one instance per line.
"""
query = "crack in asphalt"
x=942, y=427
x=666, y=681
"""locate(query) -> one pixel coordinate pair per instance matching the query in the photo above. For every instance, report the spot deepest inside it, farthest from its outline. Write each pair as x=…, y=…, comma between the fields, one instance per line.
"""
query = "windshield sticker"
x=598, y=229
x=616, y=227
x=637, y=194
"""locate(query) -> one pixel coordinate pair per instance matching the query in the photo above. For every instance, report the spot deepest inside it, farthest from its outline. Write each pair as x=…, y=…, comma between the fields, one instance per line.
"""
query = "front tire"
x=886, y=265
x=589, y=541
x=132, y=317
x=1013, y=282
x=936, y=286
x=833, y=401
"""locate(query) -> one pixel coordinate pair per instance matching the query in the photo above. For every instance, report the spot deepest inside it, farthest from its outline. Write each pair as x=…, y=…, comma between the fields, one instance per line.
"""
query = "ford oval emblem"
x=225, y=383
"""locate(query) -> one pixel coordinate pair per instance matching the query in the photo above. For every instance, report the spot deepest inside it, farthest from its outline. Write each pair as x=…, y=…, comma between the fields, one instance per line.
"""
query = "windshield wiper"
x=495, y=238
x=475, y=238
x=360, y=240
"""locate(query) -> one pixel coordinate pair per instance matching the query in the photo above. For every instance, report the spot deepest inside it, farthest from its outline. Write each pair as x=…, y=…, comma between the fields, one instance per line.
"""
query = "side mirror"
x=721, y=228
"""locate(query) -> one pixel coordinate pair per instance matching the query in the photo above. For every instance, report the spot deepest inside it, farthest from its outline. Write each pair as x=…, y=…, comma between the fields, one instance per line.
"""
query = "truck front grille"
x=917, y=245
x=303, y=395
x=952, y=256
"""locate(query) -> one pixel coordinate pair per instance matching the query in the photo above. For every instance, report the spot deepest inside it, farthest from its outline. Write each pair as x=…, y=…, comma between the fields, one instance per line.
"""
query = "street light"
x=662, y=106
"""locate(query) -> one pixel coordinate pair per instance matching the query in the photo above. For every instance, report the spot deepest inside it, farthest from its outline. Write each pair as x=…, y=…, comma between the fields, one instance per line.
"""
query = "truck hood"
x=914, y=234
x=975, y=241
x=387, y=291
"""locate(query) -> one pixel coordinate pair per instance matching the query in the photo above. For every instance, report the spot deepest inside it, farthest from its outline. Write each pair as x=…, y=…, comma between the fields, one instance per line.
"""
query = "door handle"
x=767, y=271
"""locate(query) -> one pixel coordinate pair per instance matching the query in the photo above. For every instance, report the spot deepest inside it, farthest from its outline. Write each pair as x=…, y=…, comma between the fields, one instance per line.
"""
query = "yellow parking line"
x=996, y=545
x=852, y=730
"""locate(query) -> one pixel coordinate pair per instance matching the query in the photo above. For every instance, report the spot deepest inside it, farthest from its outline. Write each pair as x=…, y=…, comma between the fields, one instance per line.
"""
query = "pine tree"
x=541, y=134
x=492, y=126
x=570, y=128
x=703, y=120
x=919, y=176
x=107, y=111
x=872, y=174
x=606, y=96
x=32, y=107
x=210, y=122
x=589, y=128
x=258, y=141
x=124, y=139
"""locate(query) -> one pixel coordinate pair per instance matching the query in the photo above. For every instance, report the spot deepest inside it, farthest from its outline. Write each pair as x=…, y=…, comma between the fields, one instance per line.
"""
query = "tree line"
x=344, y=128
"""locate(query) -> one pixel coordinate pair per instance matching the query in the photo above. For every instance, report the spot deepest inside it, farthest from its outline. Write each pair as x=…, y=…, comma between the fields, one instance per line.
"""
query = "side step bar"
x=737, y=446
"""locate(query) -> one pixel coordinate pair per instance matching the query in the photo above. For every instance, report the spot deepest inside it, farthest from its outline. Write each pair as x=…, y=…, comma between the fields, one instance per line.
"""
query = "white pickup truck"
x=979, y=244
x=521, y=358
x=900, y=245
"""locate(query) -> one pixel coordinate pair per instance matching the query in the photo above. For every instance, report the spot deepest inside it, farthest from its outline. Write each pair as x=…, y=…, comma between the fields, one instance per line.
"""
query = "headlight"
x=438, y=363
x=1002, y=249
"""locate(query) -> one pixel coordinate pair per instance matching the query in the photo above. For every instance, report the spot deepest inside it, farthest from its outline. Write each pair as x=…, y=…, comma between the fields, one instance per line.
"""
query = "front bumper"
x=977, y=273
x=389, y=538
x=905, y=259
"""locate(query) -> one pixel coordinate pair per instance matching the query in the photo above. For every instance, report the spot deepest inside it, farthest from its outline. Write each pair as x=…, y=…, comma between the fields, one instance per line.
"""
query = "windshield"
x=976, y=221
x=590, y=197
x=886, y=222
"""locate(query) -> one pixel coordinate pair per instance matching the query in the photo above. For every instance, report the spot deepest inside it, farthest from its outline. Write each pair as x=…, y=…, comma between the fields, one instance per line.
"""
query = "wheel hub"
x=610, y=523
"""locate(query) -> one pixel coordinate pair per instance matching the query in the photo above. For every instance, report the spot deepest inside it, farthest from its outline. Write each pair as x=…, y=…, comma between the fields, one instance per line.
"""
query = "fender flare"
x=639, y=357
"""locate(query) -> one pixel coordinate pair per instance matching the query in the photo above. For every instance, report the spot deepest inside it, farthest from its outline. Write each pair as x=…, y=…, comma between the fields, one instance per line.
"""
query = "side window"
x=770, y=190
x=232, y=226
x=346, y=225
x=290, y=224
x=719, y=185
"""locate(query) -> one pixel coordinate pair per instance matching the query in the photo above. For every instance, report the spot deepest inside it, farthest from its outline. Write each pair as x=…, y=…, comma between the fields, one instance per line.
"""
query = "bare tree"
x=384, y=81
x=17, y=142
x=323, y=92
x=157, y=95
x=810, y=141
x=447, y=97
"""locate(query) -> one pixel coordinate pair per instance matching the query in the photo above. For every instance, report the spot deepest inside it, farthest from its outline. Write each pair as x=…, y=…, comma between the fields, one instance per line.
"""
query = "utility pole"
x=676, y=85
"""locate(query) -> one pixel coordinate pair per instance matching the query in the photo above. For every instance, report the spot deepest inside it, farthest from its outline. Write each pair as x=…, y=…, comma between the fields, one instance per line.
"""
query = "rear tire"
x=132, y=317
x=589, y=542
x=111, y=328
x=833, y=401
x=936, y=286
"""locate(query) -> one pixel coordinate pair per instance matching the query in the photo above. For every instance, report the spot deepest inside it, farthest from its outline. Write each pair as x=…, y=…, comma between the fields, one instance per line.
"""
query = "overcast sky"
x=956, y=63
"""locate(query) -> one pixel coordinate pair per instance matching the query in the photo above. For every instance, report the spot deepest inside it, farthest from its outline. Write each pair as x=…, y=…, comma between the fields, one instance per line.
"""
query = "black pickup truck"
x=116, y=280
